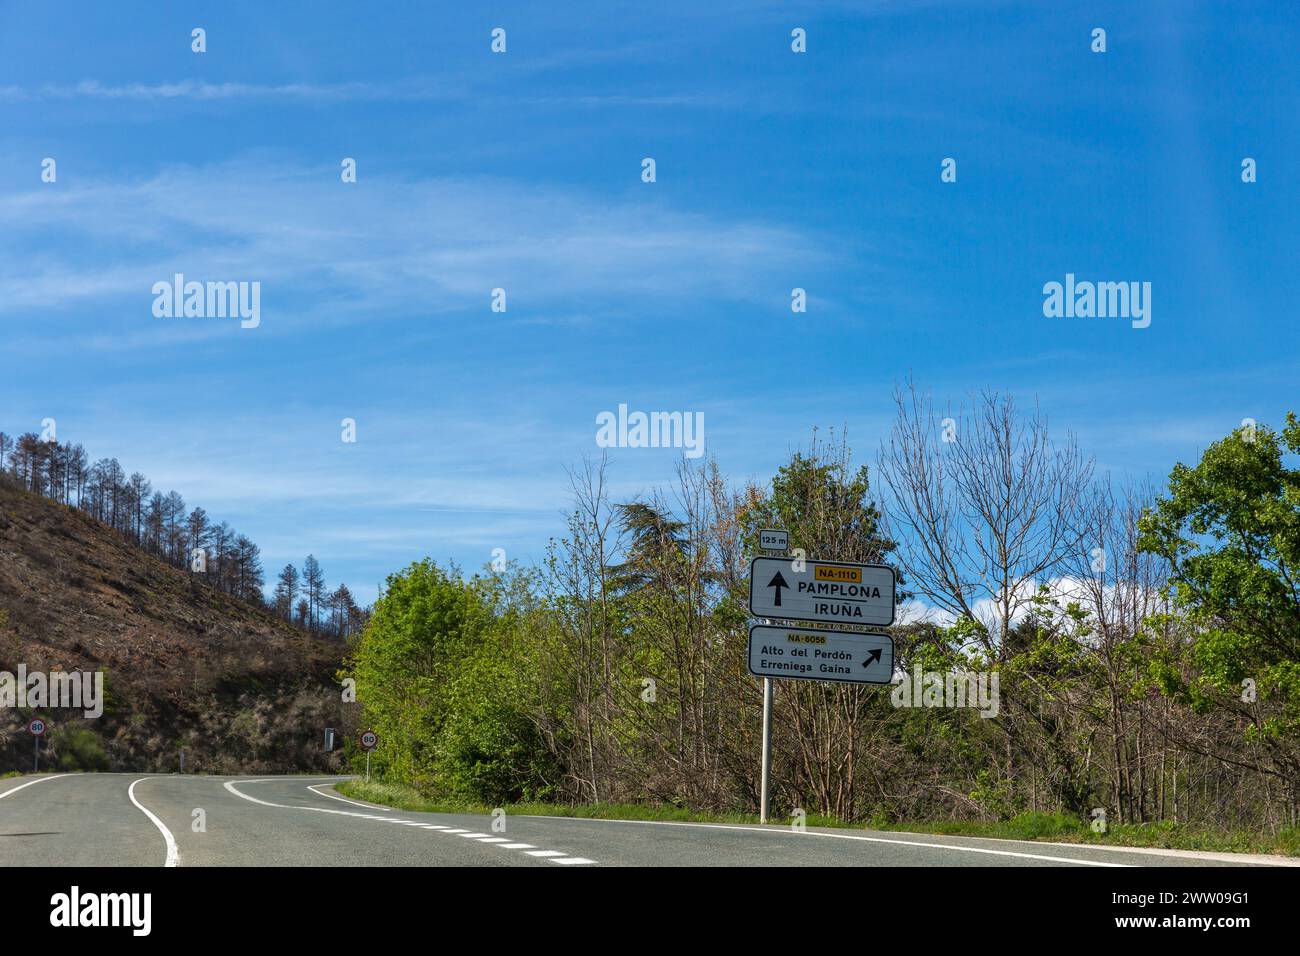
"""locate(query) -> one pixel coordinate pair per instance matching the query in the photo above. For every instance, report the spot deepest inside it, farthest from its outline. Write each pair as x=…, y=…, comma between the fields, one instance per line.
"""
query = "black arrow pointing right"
x=872, y=657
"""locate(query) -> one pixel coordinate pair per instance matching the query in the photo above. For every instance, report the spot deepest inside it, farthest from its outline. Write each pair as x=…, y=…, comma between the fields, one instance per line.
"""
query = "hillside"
x=187, y=665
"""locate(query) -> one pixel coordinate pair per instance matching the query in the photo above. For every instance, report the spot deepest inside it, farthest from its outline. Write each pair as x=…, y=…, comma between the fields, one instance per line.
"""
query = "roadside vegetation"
x=1146, y=641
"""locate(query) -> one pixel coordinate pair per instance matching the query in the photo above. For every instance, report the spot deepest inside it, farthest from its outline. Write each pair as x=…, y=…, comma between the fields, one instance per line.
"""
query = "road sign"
x=811, y=654
x=369, y=740
x=770, y=539
x=827, y=591
x=36, y=727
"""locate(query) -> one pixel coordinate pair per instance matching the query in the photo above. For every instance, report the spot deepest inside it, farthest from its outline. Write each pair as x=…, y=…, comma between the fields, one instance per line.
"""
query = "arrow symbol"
x=778, y=582
x=872, y=657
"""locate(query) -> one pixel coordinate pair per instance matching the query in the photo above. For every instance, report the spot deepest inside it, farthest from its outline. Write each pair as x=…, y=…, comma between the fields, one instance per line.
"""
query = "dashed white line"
x=173, y=854
x=554, y=856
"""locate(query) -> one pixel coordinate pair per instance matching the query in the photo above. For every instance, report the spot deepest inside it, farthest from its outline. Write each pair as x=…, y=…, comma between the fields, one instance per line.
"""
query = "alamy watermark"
x=208, y=300
x=83, y=690
x=129, y=910
x=950, y=689
x=1102, y=300
x=651, y=430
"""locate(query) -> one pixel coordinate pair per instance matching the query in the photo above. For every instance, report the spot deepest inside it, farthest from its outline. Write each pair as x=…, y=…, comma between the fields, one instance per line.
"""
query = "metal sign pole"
x=767, y=750
x=36, y=759
x=367, y=766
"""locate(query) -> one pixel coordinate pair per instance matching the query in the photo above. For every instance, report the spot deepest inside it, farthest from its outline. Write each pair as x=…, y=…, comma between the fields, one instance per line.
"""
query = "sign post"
x=36, y=727
x=369, y=741
x=769, y=540
x=763, y=796
x=822, y=592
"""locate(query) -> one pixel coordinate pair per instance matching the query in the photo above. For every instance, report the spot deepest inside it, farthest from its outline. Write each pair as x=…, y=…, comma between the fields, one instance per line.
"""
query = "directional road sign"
x=828, y=591
x=812, y=654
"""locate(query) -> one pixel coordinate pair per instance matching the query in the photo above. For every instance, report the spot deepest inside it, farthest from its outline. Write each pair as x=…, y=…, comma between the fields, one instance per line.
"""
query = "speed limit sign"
x=369, y=740
x=37, y=727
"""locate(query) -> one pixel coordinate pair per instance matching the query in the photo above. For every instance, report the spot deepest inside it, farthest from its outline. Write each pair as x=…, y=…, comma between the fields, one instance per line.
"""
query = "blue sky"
x=774, y=170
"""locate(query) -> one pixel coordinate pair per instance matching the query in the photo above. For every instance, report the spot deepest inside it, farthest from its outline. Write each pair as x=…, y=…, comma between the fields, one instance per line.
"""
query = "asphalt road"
x=153, y=820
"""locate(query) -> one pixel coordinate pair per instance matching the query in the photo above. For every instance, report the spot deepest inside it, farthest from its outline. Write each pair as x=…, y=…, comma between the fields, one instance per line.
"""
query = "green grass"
x=1027, y=826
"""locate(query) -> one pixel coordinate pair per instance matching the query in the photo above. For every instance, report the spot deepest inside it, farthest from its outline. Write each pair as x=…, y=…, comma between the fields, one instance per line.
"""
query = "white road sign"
x=829, y=591
x=369, y=740
x=772, y=540
x=811, y=654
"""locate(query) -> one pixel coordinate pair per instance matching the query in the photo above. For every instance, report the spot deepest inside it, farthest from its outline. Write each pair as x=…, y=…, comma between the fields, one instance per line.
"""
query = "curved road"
x=154, y=820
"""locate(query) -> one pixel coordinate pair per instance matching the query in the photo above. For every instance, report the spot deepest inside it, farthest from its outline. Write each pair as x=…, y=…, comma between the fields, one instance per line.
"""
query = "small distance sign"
x=36, y=727
x=770, y=539
x=369, y=740
x=811, y=654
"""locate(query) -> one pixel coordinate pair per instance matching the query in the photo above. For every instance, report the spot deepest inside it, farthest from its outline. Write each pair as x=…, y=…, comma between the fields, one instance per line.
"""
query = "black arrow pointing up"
x=872, y=657
x=778, y=582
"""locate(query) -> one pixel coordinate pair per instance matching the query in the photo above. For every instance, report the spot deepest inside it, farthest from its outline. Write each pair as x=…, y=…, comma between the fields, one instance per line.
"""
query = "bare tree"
x=984, y=507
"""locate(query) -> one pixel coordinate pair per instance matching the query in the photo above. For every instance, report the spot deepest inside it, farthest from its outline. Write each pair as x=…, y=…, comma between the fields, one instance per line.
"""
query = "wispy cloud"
x=428, y=245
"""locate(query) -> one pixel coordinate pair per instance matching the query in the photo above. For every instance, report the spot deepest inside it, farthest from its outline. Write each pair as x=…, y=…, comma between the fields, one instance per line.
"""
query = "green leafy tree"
x=421, y=631
x=1230, y=529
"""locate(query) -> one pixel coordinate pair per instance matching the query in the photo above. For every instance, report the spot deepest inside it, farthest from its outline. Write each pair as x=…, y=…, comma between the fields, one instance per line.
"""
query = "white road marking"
x=31, y=783
x=1255, y=859
x=494, y=840
x=846, y=836
x=335, y=796
x=230, y=785
x=173, y=854
x=566, y=860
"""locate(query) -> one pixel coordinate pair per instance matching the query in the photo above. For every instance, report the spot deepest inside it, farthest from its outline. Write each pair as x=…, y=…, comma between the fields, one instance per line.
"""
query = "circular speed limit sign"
x=37, y=727
x=369, y=740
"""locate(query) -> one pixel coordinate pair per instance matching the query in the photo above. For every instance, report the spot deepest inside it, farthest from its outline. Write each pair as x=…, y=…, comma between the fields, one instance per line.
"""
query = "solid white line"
x=335, y=796
x=846, y=836
x=1255, y=859
x=31, y=783
x=173, y=854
